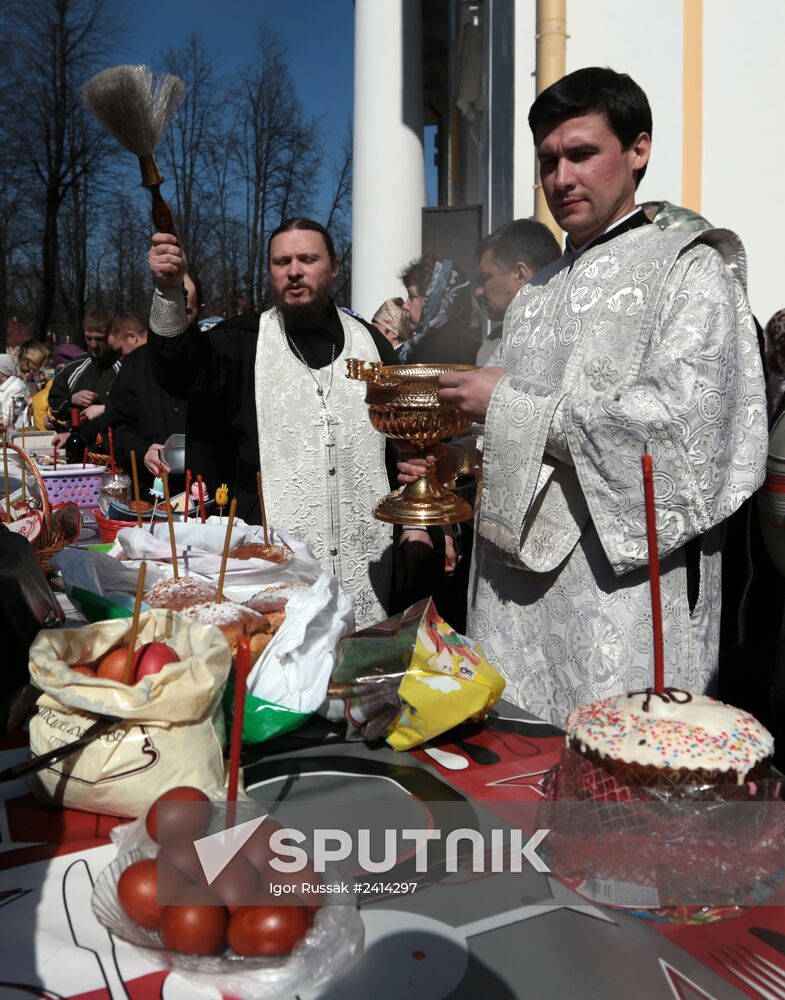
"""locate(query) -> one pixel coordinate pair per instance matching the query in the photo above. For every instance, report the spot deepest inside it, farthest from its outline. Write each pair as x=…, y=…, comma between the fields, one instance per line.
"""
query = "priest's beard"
x=304, y=315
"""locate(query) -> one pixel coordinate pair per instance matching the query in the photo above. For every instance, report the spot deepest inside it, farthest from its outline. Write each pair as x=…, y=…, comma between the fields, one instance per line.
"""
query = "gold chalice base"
x=403, y=404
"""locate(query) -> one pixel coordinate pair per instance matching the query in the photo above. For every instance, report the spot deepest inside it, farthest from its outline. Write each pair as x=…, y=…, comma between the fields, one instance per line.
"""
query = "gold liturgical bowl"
x=403, y=403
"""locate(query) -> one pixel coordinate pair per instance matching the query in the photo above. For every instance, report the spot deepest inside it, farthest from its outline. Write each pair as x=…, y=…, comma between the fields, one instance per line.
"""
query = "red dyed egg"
x=152, y=658
x=83, y=668
x=181, y=854
x=112, y=666
x=196, y=923
x=257, y=847
x=267, y=930
x=187, y=812
x=238, y=884
x=141, y=886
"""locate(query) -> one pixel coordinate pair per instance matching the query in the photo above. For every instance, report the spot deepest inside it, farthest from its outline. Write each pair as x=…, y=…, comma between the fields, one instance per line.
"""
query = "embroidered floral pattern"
x=646, y=338
x=322, y=478
x=601, y=373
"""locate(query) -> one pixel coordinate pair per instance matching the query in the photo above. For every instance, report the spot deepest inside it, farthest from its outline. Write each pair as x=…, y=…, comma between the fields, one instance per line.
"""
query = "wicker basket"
x=98, y=458
x=56, y=534
x=108, y=527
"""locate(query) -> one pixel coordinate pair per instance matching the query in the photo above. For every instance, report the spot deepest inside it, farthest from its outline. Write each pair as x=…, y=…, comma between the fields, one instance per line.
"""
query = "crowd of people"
x=639, y=335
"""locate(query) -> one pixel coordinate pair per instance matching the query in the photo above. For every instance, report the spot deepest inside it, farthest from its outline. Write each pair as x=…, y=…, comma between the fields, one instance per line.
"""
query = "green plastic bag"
x=99, y=608
x=263, y=720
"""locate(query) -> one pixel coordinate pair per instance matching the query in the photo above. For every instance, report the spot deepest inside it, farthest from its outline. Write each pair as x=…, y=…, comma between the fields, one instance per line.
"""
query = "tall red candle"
x=654, y=571
x=112, y=468
x=242, y=667
x=187, y=504
x=84, y=459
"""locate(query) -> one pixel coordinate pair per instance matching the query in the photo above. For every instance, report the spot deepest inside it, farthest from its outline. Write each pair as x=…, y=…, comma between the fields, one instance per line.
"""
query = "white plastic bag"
x=206, y=543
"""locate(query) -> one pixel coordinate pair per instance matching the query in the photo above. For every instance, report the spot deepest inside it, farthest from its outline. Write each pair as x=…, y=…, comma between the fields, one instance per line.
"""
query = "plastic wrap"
x=206, y=542
x=680, y=850
x=99, y=585
x=334, y=940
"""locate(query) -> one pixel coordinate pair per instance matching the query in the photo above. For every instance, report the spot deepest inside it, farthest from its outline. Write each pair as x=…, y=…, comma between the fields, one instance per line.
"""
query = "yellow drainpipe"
x=692, y=106
x=551, y=40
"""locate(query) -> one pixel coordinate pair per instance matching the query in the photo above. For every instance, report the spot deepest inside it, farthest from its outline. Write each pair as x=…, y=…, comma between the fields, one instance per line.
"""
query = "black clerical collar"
x=318, y=345
x=633, y=221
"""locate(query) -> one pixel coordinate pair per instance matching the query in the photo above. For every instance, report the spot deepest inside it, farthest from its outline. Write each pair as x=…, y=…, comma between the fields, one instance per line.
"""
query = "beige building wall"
x=744, y=137
x=629, y=36
x=742, y=144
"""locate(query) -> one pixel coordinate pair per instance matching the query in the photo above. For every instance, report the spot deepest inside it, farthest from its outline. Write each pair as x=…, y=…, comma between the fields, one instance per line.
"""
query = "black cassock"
x=215, y=372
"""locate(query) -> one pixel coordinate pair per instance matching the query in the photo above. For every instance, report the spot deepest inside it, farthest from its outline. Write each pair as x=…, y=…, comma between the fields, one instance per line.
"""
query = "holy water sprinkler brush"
x=135, y=109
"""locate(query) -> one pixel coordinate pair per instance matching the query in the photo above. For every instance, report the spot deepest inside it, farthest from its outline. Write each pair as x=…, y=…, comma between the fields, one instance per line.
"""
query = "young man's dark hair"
x=597, y=90
x=303, y=222
x=98, y=321
x=521, y=240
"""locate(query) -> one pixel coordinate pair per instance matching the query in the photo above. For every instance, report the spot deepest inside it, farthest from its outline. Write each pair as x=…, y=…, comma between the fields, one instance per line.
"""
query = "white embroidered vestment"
x=323, y=463
x=647, y=337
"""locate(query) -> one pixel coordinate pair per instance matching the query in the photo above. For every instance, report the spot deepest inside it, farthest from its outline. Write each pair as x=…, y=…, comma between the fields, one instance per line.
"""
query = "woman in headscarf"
x=435, y=561
x=393, y=321
x=442, y=311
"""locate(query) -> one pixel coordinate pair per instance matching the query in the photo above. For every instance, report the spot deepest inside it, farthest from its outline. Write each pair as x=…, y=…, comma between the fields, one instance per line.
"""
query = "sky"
x=318, y=35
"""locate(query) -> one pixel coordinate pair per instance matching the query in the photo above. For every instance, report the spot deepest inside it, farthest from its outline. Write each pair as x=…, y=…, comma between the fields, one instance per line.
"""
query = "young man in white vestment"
x=274, y=396
x=636, y=336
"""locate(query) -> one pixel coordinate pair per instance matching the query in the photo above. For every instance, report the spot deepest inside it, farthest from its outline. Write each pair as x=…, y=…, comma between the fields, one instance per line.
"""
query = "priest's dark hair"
x=303, y=222
x=523, y=240
x=598, y=90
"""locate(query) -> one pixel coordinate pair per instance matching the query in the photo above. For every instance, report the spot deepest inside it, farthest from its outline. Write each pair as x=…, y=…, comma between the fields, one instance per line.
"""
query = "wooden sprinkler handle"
x=163, y=220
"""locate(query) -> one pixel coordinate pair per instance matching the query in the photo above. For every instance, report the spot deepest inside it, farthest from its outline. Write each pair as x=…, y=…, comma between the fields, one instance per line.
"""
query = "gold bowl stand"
x=403, y=404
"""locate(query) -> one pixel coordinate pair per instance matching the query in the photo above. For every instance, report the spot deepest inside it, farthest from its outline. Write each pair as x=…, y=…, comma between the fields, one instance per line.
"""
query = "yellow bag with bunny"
x=170, y=724
x=410, y=678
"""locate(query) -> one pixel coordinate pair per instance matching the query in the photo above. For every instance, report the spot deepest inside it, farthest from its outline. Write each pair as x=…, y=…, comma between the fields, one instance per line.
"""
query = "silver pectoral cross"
x=327, y=421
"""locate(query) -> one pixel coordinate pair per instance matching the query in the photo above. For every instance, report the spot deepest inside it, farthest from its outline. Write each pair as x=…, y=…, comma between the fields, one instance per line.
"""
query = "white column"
x=525, y=92
x=389, y=175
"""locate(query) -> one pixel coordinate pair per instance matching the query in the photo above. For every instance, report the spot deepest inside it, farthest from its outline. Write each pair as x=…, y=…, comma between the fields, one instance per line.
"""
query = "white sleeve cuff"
x=167, y=312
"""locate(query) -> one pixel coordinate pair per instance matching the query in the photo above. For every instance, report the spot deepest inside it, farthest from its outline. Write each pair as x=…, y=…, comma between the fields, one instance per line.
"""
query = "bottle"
x=75, y=443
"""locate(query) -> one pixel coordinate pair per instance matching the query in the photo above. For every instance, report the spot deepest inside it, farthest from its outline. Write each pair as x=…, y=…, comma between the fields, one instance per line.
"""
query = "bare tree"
x=57, y=44
x=73, y=251
x=340, y=204
x=263, y=122
x=186, y=146
x=73, y=224
x=220, y=161
x=14, y=223
x=339, y=218
x=278, y=152
x=121, y=282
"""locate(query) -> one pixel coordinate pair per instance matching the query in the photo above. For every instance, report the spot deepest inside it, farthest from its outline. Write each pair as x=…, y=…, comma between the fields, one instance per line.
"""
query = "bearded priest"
x=270, y=393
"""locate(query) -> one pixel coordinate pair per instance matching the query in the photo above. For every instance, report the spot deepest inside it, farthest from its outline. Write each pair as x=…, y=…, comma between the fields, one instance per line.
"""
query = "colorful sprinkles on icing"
x=698, y=733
